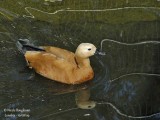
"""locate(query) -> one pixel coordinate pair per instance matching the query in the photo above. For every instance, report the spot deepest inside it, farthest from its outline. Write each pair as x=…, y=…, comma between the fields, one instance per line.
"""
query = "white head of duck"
x=85, y=50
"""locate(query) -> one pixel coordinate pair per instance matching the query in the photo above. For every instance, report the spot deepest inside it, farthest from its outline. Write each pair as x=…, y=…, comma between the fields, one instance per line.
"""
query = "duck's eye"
x=89, y=49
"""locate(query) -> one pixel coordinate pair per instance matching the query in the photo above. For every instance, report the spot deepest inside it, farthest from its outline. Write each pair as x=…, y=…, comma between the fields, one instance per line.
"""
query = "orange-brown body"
x=60, y=65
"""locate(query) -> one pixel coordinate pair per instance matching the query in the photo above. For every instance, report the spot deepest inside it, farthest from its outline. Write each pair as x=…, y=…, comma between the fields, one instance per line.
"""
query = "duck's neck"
x=82, y=62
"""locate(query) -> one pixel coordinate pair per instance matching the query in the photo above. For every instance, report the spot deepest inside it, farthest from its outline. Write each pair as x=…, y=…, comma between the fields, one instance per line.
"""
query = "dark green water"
x=127, y=79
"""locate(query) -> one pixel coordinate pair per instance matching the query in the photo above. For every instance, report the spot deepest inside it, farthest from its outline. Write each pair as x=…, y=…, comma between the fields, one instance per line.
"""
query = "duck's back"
x=61, y=53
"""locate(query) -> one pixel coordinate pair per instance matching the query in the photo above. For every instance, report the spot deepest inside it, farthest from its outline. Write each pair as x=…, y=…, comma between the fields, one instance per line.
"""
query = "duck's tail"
x=24, y=45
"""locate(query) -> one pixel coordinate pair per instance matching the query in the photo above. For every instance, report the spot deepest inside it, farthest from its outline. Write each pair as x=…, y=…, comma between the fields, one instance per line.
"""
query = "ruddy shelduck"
x=59, y=64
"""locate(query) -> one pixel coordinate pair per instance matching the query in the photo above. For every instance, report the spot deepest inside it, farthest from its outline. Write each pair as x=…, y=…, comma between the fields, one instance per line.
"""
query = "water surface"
x=127, y=79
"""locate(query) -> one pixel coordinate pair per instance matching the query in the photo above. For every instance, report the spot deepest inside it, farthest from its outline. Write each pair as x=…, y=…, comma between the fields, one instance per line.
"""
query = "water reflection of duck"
x=59, y=64
x=83, y=99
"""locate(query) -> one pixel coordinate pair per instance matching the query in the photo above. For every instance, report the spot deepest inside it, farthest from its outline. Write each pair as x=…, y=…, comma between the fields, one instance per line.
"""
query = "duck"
x=59, y=64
